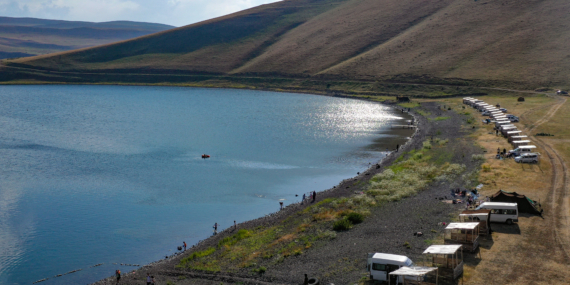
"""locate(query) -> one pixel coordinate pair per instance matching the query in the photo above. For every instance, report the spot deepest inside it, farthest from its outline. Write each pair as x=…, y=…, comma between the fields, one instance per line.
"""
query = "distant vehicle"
x=502, y=212
x=503, y=110
x=561, y=92
x=522, y=149
x=381, y=264
x=514, y=119
x=527, y=158
x=486, y=113
x=509, y=115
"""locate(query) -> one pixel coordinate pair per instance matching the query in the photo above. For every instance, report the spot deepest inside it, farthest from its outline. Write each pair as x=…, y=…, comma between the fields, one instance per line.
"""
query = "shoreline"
x=292, y=208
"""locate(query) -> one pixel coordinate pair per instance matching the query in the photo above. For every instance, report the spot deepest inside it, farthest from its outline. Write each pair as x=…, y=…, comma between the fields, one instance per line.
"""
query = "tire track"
x=558, y=196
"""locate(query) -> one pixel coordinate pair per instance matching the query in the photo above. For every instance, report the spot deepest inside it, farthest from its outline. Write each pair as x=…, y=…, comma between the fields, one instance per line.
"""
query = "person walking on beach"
x=184, y=245
x=118, y=275
x=215, y=228
x=148, y=279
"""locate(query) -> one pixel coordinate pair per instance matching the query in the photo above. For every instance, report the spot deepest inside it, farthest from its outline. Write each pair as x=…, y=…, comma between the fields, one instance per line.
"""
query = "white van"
x=381, y=264
x=527, y=158
x=502, y=212
x=522, y=149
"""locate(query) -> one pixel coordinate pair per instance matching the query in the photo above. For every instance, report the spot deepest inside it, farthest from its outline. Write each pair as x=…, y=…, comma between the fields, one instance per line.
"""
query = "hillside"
x=505, y=40
x=20, y=37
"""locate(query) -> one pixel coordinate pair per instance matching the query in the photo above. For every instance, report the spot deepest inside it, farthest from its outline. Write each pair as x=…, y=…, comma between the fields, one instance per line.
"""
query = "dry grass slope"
x=516, y=41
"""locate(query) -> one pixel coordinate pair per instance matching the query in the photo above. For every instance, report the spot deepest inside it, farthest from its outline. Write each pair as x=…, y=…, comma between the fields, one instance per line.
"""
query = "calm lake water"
x=112, y=174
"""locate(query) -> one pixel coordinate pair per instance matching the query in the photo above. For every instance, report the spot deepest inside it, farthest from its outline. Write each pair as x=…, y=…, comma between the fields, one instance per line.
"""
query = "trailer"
x=512, y=133
x=447, y=258
x=483, y=217
x=466, y=234
x=517, y=138
x=520, y=143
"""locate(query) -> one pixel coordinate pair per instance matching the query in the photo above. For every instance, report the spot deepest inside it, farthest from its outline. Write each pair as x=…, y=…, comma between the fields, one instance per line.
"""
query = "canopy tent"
x=524, y=204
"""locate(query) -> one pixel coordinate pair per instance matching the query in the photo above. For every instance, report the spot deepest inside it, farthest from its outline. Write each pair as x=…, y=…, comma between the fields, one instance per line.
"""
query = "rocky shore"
x=342, y=260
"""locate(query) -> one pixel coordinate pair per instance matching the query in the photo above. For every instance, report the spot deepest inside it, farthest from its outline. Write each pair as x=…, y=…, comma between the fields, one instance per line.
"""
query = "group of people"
x=503, y=153
x=312, y=196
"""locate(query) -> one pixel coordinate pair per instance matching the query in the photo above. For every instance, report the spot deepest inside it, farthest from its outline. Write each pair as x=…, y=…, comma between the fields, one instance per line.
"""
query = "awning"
x=443, y=249
x=462, y=226
x=413, y=271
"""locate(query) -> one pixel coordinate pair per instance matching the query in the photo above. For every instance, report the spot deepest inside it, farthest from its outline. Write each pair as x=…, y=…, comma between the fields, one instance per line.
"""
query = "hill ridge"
x=520, y=41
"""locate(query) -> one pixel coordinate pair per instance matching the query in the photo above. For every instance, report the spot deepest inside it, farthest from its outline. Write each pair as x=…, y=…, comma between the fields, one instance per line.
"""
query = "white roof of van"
x=413, y=271
x=393, y=257
x=514, y=132
x=462, y=226
x=519, y=137
x=443, y=249
x=502, y=204
x=525, y=141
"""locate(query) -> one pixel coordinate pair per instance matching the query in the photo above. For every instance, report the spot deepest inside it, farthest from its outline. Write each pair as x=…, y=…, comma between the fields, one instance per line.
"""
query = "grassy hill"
x=20, y=37
x=504, y=40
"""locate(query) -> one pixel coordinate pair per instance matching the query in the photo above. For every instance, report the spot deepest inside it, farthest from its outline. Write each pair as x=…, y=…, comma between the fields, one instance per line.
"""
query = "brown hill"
x=29, y=36
x=519, y=41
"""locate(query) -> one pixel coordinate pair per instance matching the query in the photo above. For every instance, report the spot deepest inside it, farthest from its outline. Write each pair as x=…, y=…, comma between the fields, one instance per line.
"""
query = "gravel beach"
x=342, y=260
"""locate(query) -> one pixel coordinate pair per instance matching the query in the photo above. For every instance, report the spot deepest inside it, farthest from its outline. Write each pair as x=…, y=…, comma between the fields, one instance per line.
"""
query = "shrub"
x=427, y=145
x=355, y=218
x=486, y=167
x=477, y=157
x=342, y=225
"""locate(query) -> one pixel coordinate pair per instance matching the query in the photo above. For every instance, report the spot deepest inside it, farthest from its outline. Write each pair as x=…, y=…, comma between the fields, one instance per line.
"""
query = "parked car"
x=486, y=113
x=509, y=115
x=527, y=158
x=561, y=92
x=503, y=110
x=514, y=119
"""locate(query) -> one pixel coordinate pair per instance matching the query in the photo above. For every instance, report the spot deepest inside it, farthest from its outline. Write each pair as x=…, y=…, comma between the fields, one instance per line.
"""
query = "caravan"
x=381, y=264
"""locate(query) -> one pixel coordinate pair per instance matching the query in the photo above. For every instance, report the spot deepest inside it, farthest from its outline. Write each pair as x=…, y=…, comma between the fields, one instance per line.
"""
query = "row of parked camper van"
x=522, y=151
x=442, y=264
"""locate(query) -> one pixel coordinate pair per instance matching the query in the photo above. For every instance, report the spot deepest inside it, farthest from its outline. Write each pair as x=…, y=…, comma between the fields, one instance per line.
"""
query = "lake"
x=114, y=174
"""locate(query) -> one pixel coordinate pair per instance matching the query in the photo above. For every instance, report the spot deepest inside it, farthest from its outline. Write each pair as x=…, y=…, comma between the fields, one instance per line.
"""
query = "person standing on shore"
x=215, y=228
x=397, y=147
x=148, y=279
x=314, y=195
x=184, y=245
x=118, y=275
x=303, y=201
x=235, y=225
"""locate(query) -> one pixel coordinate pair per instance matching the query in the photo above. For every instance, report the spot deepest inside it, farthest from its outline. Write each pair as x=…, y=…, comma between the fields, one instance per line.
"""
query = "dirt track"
x=559, y=191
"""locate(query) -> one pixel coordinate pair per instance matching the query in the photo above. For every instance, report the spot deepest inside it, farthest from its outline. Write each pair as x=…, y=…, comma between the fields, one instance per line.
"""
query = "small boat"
x=204, y=156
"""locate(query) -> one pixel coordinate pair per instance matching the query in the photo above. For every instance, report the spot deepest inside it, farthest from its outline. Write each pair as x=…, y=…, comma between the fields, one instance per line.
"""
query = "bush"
x=342, y=225
x=355, y=218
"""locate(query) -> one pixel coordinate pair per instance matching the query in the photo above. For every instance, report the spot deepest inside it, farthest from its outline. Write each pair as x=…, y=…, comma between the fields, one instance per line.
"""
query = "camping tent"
x=524, y=204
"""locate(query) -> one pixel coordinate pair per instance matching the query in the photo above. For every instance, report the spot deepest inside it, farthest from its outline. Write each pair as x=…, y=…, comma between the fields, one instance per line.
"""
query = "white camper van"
x=501, y=212
x=381, y=264
x=522, y=149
